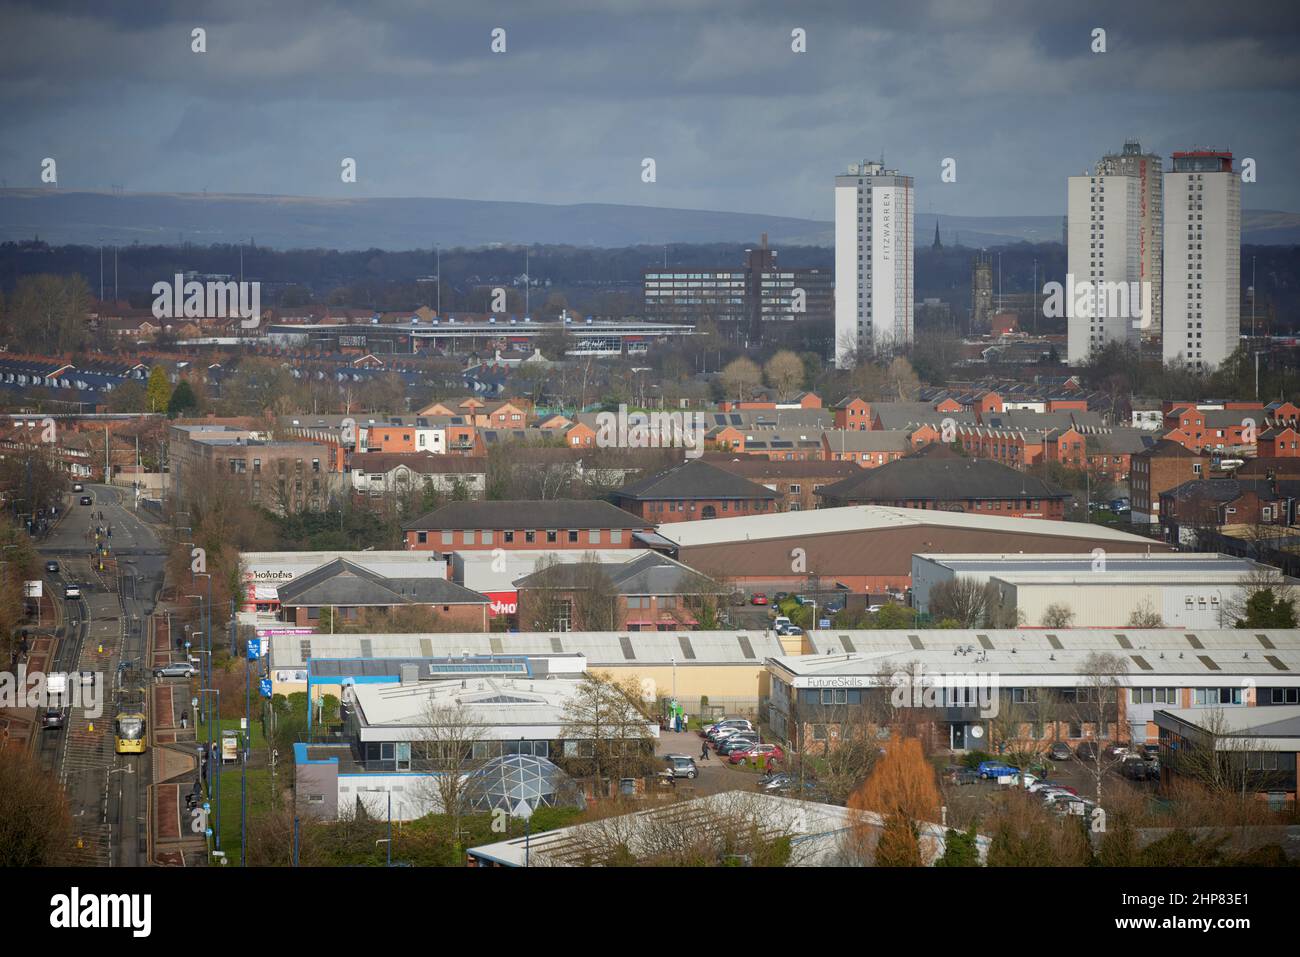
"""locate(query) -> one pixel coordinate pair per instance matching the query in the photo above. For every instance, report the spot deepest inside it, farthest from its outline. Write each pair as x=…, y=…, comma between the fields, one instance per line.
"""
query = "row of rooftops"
x=1207, y=656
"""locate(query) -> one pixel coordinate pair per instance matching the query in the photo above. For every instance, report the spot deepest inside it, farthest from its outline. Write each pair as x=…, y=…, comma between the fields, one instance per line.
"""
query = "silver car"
x=177, y=669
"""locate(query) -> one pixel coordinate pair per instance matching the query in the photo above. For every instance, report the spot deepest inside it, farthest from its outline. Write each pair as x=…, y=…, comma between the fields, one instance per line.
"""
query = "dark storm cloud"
x=710, y=90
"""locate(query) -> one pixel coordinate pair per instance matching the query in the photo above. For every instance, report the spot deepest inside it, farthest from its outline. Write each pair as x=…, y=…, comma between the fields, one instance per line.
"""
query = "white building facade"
x=1104, y=231
x=874, y=291
x=1202, y=270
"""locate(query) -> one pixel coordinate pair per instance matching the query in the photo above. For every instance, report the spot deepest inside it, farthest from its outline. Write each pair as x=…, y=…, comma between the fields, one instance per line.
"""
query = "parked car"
x=729, y=724
x=1136, y=769
x=725, y=734
x=1150, y=752
x=758, y=598
x=789, y=630
x=1116, y=750
x=960, y=774
x=774, y=780
x=780, y=596
x=872, y=609
x=1087, y=751
x=737, y=742
x=1046, y=786
x=760, y=751
x=681, y=765
x=177, y=669
x=1060, y=751
x=995, y=769
x=737, y=598
x=52, y=567
x=780, y=621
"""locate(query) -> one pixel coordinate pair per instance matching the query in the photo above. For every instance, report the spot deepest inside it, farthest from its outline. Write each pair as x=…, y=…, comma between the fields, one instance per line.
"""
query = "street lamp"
x=217, y=760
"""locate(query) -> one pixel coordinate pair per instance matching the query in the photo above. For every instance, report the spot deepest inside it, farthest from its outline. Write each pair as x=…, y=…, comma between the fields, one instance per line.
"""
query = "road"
x=104, y=633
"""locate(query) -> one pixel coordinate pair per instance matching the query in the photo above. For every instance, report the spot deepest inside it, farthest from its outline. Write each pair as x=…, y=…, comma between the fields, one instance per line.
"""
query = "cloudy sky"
x=710, y=89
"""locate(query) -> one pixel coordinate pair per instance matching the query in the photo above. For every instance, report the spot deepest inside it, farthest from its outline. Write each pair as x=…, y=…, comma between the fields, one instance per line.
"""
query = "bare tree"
x=35, y=826
x=1222, y=762
x=608, y=727
x=448, y=731
x=1145, y=616
x=1264, y=598
x=1096, y=709
x=970, y=604
x=1057, y=615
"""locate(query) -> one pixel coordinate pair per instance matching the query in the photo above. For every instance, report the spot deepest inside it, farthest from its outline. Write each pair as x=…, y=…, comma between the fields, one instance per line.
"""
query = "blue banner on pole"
x=265, y=686
x=254, y=648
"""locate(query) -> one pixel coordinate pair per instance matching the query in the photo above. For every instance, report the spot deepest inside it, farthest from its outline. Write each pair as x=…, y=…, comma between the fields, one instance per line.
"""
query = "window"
x=615, y=536
x=509, y=537
x=573, y=536
x=1024, y=695
x=448, y=537
x=422, y=537
x=530, y=537
x=835, y=696
x=552, y=537
x=1286, y=695
x=403, y=755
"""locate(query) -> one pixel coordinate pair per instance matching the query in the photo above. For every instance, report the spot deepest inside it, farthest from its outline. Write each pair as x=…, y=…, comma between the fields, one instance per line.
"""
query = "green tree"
x=959, y=849
x=159, y=390
x=183, y=401
x=1264, y=609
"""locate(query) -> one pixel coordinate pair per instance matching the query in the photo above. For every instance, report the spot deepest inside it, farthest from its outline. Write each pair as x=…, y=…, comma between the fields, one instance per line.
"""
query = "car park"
x=681, y=765
x=1060, y=751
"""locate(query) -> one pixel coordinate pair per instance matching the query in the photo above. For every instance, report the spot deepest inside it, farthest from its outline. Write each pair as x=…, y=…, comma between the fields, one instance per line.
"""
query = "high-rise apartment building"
x=758, y=293
x=1147, y=169
x=1103, y=252
x=874, y=221
x=1202, y=268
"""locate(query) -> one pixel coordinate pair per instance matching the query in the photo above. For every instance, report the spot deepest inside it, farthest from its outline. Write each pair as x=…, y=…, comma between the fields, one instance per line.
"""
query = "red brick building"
x=936, y=477
x=523, y=525
x=693, y=491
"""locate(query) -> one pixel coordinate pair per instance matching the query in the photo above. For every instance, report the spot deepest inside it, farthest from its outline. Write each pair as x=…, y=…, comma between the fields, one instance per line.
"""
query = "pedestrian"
x=185, y=718
x=704, y=751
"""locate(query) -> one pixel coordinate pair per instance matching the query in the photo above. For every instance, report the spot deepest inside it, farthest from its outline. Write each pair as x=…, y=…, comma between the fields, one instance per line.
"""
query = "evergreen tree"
x=183, y=401
x=159, y=390
x=959, y=849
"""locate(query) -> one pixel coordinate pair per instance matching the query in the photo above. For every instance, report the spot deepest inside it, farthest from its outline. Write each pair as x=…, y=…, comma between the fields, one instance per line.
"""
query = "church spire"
x=937, y=243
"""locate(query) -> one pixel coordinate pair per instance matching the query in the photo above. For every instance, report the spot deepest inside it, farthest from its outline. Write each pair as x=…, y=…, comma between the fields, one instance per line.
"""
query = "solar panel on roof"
x=1123, y=641
x=916, y=642
x=847, y=644
x=1263, y=640
x=1194, y=641
x=687, y=650
x=626, y=643
x=1276, y=662
x=985, y=642
x=746, y=648
x=1142, y=663
x=1054, y=642
x=1209, y=662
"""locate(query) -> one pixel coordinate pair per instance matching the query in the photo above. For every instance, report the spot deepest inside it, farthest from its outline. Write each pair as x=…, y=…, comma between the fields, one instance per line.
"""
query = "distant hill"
x=298, y=222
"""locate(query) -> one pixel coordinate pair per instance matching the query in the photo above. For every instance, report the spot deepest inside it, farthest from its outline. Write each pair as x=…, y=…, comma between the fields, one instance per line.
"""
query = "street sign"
x=824, y=623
